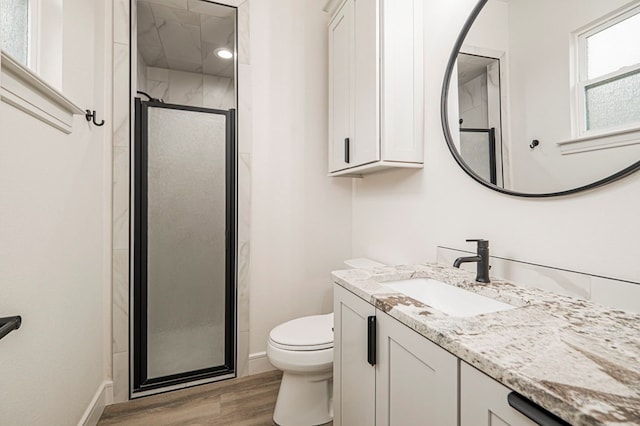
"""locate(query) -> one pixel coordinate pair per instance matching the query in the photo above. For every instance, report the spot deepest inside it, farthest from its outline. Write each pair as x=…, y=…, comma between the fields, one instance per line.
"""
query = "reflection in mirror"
x=479, y=108
x=544, y=96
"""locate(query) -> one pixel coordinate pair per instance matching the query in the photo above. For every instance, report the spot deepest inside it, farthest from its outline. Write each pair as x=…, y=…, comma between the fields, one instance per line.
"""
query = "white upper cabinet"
x=375, y=86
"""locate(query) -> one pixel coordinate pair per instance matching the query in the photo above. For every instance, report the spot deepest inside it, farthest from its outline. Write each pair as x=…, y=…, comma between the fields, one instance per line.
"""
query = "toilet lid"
x=304, y=334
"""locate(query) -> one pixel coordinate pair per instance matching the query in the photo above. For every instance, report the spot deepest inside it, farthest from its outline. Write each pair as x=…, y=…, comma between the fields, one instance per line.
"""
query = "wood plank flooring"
x=248, y=401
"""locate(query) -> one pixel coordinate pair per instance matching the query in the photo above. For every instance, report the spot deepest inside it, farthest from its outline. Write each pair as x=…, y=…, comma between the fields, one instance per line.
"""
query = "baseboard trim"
x=259, y=363
x=102, y=398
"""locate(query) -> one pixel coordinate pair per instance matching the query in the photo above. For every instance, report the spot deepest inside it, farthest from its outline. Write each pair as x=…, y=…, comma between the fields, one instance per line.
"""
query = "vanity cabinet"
x=483, y=401
x=405, y=380
x=375, y=86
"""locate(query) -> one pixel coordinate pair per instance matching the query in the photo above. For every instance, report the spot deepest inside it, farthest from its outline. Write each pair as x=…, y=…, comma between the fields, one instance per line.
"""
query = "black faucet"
x=482, y=259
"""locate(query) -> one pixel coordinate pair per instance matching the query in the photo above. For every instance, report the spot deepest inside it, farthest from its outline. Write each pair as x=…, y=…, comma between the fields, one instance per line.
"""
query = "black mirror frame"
x=444, y=115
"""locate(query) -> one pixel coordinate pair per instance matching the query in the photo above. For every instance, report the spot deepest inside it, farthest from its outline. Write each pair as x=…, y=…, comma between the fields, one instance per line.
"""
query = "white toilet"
x=303, y=349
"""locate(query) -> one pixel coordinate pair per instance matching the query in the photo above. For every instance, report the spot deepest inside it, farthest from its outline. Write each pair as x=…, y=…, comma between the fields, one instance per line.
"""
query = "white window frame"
x=34, y=88
x=33, y=43
x=590, y=140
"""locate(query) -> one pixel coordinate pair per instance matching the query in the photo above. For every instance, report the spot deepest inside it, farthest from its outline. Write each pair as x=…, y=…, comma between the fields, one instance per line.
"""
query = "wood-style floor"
x=239, y=402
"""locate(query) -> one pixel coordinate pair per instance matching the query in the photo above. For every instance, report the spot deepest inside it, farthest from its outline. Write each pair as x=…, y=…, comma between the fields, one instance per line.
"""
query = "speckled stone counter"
x=575, y=358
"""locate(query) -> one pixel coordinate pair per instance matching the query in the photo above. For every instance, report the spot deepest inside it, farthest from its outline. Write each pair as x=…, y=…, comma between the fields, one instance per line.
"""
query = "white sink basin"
x=446, y=298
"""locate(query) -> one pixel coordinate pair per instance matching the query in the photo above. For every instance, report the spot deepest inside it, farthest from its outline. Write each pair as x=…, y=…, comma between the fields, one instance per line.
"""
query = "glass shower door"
x=478, y=148
x=184, y=284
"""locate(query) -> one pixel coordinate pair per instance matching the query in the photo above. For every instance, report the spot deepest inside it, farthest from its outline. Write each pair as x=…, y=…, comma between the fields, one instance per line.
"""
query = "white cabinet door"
x=354, y=380
x=483, y=401
x=417, y=381
x=366, y=137
x=341, y=93
x=403, y=81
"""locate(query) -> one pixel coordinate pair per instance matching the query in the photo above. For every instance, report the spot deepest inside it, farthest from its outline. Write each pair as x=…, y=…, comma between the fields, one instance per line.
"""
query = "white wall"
x=300, y=217
x=400, y=216
x=53, y=256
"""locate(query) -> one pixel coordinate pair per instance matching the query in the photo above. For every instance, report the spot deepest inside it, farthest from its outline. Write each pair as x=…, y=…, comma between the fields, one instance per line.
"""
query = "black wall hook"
x=534, y=143
x=91, y=115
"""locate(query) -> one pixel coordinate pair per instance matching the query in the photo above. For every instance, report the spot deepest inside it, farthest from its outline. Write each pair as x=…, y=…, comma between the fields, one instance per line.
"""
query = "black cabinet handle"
x=533, y=411
x=346, y=150
x=371, y=340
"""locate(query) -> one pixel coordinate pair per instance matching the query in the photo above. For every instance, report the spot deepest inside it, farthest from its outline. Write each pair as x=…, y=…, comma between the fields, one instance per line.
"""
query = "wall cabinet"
x=483, y=401
x=375, y=86
x=411, y=381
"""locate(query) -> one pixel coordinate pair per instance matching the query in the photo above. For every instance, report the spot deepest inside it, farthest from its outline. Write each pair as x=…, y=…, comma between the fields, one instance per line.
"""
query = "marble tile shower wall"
x=120, y=194
x=123, y=69
x=610, y=292
x=141, y=73
x=188, y=88
x=473, y=102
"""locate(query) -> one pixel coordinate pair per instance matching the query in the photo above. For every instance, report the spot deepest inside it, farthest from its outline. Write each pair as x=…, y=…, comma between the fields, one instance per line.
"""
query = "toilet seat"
x=300, y=362
x=312, y=333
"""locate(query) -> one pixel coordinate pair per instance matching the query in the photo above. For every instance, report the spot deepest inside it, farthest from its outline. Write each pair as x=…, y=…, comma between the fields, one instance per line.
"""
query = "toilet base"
x=304, y=400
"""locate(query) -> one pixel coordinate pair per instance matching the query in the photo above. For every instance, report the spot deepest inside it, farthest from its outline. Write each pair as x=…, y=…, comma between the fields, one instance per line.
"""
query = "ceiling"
x=184, y=34
x=472, y=66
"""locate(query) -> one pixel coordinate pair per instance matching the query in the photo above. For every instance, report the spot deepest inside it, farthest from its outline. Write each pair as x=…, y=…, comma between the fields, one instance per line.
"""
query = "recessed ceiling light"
x=224, y=53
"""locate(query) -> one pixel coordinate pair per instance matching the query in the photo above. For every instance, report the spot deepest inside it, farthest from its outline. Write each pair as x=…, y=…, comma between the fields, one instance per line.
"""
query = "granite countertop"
x=577, y=359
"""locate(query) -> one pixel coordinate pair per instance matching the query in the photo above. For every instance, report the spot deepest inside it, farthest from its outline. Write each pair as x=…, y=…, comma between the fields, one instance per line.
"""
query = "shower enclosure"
x=184, y=246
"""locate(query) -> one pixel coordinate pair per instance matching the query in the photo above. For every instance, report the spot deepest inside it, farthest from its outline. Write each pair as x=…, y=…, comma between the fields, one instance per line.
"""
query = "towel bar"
x=8, y=324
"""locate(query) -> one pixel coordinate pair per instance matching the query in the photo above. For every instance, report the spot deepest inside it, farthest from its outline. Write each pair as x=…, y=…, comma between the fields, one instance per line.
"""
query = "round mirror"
x=541, y=98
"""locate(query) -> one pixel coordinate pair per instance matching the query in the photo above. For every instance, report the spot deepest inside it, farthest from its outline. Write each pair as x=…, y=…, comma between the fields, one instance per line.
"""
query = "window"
x=31, y=65
x=608, y=86
x=17, y=34
x=31, y=34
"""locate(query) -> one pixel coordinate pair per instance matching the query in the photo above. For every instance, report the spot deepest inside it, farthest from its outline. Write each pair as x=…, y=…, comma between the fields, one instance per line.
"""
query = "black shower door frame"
x=140, y=381
x=491, y=139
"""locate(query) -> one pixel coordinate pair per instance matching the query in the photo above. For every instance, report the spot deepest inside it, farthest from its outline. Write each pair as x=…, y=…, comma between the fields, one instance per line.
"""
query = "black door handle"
x=371, y=340
x=346, y=150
